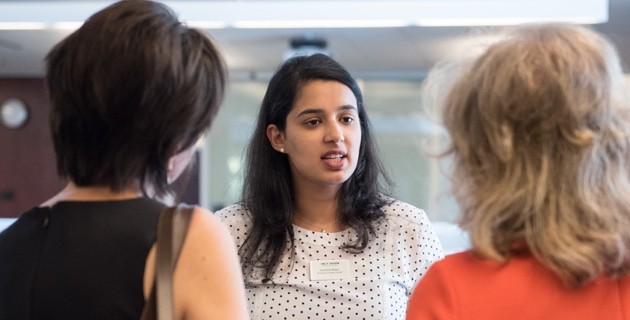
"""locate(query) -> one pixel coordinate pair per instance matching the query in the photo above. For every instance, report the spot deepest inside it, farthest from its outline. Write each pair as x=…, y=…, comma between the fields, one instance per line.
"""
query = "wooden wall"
x=28, y=174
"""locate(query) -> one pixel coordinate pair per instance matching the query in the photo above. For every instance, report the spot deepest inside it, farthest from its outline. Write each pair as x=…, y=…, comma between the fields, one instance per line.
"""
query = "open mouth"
x=334, y=157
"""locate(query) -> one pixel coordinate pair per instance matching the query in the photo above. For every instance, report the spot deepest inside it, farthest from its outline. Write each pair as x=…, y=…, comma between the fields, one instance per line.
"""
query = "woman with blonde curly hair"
x=540, y=143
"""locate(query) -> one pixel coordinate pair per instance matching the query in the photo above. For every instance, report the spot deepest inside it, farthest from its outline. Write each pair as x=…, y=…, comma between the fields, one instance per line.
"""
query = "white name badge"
x=330, y=269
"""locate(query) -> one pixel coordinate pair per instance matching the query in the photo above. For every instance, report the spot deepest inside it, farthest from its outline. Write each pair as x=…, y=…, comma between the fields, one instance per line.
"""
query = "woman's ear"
x=178, y=163
x=276, y=137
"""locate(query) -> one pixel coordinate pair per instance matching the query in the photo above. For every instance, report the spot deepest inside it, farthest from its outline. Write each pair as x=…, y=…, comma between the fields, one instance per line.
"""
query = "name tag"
x=330, y=269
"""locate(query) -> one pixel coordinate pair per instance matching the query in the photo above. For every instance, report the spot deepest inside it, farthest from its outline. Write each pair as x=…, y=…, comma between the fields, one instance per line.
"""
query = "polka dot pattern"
x=380, y=278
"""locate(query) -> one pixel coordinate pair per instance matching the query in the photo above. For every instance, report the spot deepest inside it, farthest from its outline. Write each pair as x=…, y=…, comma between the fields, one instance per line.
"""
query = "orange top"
x=464, y=286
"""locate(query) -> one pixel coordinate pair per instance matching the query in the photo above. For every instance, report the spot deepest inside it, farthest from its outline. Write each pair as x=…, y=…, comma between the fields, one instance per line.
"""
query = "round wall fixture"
x=13, y=113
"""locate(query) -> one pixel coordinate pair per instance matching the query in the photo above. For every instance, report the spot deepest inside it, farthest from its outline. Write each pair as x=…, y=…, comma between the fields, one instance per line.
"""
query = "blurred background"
x=388, y=45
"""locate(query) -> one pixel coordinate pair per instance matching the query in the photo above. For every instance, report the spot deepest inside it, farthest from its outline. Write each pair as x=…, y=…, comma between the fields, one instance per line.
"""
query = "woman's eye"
x=347, y=119
x=313, y=122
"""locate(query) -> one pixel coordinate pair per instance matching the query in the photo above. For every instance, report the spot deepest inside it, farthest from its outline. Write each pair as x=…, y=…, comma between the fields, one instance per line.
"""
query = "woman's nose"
x=334, y=133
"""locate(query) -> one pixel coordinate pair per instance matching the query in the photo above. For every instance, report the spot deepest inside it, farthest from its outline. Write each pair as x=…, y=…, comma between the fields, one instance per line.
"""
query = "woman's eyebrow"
x=320, y=111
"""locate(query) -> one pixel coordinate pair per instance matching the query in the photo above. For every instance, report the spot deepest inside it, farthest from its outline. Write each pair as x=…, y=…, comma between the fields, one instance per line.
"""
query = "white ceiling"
x=394, y=52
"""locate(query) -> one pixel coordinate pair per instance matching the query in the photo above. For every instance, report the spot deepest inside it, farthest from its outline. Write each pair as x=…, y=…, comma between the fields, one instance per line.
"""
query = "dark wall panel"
x=27, y=161
x=28, y=174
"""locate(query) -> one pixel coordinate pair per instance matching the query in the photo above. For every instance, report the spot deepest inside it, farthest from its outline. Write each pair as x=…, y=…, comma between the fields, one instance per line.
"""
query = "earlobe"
x=169, y=170
x=178, y=163
x=276, y=137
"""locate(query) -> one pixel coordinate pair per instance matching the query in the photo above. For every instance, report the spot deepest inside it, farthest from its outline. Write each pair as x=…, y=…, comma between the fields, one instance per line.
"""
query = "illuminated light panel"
x=29, y=15
x=292, y=24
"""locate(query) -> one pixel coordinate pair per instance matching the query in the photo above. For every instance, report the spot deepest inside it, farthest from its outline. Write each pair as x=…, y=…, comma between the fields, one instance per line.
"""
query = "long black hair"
x=268, y=192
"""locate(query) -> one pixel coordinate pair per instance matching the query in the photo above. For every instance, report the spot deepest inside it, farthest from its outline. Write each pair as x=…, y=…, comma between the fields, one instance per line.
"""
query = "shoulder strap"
x=171, y=234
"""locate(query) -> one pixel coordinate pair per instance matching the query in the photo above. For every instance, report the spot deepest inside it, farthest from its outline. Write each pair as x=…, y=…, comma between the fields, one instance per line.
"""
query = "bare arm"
x=208, y=282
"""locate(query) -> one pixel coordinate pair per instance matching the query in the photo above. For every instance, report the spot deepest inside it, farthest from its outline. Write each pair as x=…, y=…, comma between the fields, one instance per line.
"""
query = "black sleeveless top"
x=77, y=260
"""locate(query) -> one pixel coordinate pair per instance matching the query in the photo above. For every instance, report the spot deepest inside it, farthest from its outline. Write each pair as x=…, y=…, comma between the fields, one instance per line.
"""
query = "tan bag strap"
x=171, y=234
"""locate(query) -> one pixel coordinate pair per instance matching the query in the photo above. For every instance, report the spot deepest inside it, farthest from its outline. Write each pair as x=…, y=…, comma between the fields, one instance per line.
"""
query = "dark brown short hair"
x=129, y=89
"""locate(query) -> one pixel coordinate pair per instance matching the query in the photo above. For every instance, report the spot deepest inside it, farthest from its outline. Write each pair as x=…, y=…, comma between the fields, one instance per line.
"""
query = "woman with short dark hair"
x=132, y=90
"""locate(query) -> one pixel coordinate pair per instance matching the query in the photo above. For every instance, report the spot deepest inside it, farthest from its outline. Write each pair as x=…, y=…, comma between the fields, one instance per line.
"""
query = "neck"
x=73, y=192
x=328, y=227
x=317, y=211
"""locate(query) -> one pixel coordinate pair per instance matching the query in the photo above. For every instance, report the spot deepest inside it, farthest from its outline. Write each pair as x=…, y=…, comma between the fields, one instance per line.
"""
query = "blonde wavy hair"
x=539, y=132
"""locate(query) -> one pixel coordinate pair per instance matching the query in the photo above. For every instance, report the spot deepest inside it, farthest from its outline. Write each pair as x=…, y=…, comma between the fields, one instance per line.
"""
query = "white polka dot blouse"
x=326, y=282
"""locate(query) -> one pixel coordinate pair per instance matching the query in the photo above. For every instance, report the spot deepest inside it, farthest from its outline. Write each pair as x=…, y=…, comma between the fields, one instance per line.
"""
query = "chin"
x=339, y=179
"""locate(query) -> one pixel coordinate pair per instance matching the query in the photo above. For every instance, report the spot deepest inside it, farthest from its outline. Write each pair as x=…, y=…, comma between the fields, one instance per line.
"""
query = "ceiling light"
x=306, y=46
x=324, y=14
